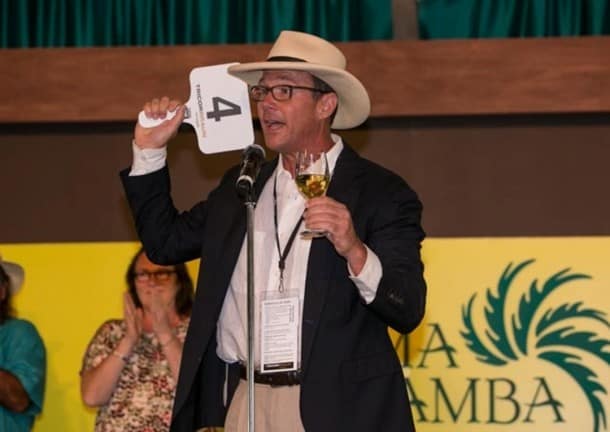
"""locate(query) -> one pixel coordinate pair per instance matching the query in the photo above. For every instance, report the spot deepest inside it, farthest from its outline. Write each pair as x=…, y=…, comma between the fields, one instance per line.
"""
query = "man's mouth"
x=273, y=125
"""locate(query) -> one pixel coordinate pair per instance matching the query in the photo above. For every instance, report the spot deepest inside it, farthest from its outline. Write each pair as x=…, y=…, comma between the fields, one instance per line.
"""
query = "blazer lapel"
x=322, y=256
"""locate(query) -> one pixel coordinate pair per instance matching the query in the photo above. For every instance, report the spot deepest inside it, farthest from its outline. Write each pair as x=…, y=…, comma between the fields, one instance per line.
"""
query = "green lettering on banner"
x=549, y=401
x=509, y=397
x=439, y=389
x=416, y=402
x=444, y=347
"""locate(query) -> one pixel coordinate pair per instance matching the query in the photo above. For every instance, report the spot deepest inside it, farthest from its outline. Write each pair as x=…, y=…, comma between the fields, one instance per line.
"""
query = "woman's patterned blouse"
x=143, y=397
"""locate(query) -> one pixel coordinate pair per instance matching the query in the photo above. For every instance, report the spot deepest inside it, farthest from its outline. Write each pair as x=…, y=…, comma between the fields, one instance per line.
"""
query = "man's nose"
x=268, y=99
x=268, y=104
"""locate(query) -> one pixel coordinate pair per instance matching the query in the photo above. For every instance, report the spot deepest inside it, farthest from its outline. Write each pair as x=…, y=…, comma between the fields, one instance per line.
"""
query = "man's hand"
x=158, y=136
x=332, y=217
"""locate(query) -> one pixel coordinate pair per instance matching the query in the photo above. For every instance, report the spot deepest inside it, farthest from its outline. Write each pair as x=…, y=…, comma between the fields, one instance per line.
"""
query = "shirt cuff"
x=367, y=281
x=146, y=161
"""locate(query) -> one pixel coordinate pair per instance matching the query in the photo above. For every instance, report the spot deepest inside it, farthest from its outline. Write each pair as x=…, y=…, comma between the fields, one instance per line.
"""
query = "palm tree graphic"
x=551, y=333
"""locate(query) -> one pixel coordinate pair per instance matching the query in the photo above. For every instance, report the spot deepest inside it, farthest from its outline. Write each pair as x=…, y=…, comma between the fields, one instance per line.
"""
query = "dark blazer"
x=352, y=378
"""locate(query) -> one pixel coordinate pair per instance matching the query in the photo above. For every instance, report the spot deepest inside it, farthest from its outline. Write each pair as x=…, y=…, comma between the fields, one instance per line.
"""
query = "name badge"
x=280, y=323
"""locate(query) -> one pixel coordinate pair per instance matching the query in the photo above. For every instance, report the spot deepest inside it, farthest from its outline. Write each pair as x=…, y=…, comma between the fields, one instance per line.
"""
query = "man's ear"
x=327, y=104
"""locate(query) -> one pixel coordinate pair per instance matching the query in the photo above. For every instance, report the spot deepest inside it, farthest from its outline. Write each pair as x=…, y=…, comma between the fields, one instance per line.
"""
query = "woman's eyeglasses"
x=158, y=276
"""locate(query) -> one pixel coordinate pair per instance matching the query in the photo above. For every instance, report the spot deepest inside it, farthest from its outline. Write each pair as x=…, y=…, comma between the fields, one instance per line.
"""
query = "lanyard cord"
x=282, y=255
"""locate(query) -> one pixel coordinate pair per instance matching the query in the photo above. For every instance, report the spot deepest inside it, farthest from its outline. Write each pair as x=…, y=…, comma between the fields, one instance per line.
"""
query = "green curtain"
x=512, y=18
x=79, y=23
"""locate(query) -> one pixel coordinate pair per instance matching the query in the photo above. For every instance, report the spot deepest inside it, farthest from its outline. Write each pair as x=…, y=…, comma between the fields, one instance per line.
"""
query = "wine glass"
x=312, y=177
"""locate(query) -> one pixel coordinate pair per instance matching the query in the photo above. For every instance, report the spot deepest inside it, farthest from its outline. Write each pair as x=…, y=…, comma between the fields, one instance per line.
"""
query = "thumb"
x=175, y=122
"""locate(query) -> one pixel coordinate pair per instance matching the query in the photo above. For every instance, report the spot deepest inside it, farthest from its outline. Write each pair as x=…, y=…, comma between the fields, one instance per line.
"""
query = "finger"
x=147, y=108
x=129, y=304
x=166, y=105
x=334, y=218
x=154, y=108
x=127, y=310
x=175, y=122
x=130, y=321
x=322, y=207
x=338, y=226
x=173, y=104
x=139, y=317
x=163, y=105
x=158, y=108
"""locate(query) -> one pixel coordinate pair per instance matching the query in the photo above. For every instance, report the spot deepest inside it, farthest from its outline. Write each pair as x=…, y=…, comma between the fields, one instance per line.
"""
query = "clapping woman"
x=130, y=368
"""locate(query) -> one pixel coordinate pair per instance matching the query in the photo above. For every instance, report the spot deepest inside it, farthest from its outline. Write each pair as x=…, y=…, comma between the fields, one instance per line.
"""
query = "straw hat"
x=15, y=273
x=304, y=52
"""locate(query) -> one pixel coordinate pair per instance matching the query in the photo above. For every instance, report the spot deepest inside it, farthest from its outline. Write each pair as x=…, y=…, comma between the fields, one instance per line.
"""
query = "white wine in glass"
x=312, y=177
x=312, y=185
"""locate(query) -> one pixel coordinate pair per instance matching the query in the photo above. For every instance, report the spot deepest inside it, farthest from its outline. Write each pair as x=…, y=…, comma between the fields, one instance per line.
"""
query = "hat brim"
x=16, y=275
x=354, y=105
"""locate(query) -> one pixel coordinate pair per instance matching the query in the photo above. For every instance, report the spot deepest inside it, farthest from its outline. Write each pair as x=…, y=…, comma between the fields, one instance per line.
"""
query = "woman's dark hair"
x=6, y=311
x=184, y=296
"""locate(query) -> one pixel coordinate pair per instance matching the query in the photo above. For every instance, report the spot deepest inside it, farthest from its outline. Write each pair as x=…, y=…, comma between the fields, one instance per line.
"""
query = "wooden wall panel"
x=404, y=78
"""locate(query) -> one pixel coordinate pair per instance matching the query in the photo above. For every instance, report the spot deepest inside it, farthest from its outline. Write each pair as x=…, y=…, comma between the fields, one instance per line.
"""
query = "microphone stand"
x=250, y=203
x=252, y=159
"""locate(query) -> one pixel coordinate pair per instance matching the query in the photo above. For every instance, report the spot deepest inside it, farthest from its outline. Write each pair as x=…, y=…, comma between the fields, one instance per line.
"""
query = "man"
x=22, y=359
x=344, y=289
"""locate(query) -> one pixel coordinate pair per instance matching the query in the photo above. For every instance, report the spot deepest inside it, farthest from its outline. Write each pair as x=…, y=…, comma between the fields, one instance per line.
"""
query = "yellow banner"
x=515, y=338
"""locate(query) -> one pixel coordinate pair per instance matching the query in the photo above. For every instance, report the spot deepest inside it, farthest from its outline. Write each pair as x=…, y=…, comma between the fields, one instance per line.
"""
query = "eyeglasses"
x=158, y=276
x=279, y=92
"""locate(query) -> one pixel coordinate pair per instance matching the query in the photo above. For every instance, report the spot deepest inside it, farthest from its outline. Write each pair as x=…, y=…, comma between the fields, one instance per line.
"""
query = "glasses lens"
x=162, y=275
x=159, y=276
x=258, y=93
x=282, y=92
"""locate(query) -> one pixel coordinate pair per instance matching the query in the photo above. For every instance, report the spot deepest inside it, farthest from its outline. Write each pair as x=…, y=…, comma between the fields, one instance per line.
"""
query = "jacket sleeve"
x=168, y=236
x=394, y=233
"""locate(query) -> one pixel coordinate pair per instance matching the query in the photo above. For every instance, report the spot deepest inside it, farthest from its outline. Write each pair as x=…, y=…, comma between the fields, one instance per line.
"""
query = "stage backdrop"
x=515, y=338
x=516, y=335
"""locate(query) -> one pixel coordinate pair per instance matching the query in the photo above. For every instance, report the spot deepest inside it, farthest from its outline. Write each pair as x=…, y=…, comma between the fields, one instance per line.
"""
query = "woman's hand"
x=99, y=382
x=133, y=321
x=160, y=314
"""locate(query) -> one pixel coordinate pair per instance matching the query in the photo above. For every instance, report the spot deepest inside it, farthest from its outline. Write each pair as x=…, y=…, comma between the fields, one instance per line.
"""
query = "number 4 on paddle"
x=218, y=113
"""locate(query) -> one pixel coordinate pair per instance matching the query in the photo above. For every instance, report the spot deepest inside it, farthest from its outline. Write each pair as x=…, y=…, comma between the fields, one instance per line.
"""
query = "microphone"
x=252, y=159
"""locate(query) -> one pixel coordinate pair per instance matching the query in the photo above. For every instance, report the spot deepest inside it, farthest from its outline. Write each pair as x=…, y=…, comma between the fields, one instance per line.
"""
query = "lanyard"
x=282, y=255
